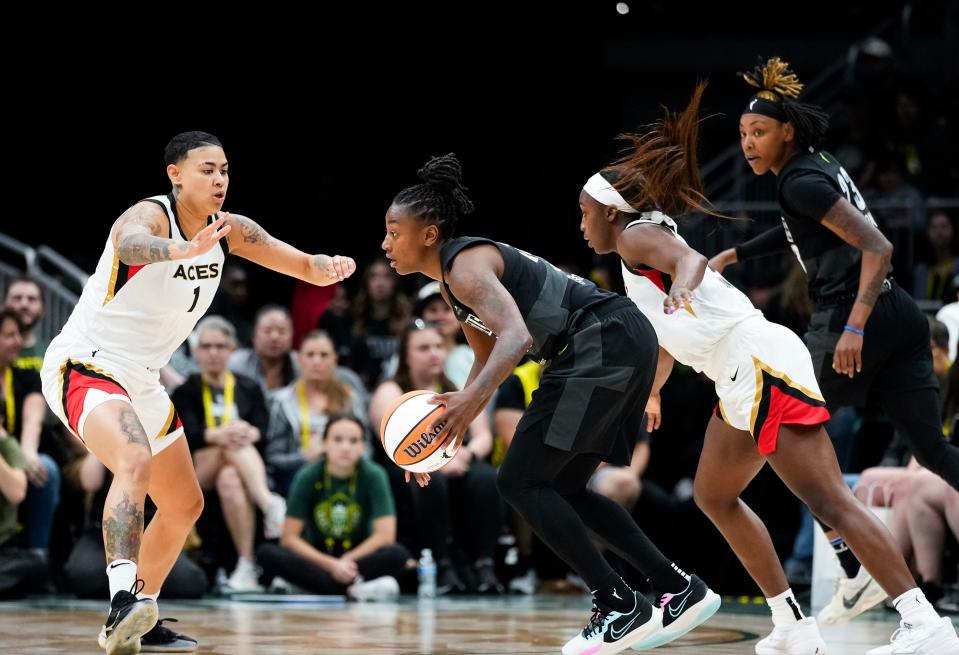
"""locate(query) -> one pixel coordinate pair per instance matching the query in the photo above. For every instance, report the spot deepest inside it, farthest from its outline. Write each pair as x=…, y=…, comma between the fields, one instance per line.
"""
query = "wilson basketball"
x=406, y=436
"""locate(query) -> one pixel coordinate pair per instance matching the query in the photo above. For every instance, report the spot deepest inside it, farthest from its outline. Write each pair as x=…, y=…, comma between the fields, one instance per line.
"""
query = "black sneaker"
x=129, y=619
x=447, y=581
x=609, y=631
x=163, y=640
x=486, y=580
x=682, y=612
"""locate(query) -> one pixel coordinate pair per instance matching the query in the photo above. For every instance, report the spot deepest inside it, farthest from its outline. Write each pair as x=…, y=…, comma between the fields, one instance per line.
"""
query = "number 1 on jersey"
x=196, y=296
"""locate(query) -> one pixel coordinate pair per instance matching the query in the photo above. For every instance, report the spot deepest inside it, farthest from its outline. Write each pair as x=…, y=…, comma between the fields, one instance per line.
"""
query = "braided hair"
x=441, y=199
x=778, y=90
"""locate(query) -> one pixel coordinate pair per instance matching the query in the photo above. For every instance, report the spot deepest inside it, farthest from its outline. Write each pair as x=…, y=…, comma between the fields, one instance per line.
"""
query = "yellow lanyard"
x=229, y=383
x=304, y=415
x=8, y=397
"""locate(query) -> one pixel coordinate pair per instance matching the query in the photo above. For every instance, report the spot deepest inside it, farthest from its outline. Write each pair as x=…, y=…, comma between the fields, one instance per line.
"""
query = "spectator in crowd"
x=21, y=571
x=937, y=264
x=340, y=530
x=431, y=307
x=924, y=507
x=271, y=360
x=300, y=411
x=25, y=297
x=224, y=417
x=22, y=419
x=84, y=571
x=939, y=344
x=379, y=313
x=468, y=482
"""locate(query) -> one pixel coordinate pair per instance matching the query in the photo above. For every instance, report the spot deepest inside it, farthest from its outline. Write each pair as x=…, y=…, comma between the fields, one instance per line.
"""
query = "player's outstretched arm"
x=252, y=242
x=140, y=236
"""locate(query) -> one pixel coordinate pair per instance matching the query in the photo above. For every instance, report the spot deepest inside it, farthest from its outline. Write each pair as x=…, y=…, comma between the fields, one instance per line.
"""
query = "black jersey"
x=808, y=186
x=549, y=300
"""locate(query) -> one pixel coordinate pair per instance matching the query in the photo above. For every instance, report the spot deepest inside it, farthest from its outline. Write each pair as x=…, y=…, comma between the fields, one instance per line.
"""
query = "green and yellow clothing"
x=338, y=513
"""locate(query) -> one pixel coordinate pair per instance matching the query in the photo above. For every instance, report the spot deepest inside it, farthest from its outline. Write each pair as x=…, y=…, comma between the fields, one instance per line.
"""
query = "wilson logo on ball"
x=423, y=445
x=408, y=435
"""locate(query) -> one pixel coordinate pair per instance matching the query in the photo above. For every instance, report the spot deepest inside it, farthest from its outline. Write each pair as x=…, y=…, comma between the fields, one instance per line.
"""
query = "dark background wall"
x=324, y=119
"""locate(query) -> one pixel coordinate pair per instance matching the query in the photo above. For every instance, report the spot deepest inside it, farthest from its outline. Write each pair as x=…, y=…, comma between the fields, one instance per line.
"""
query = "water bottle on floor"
x=426, y=572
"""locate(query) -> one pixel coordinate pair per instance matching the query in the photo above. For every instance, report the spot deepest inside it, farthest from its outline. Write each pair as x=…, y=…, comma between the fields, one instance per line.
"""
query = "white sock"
x=915, y=609
x=122, y=574
x=785, y=609
x=142, y=595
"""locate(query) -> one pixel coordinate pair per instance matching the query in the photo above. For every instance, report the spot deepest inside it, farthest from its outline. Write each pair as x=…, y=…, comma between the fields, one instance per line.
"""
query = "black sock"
x=615, y=593
x=847, y=560
x=850, y=565
x=668, y=578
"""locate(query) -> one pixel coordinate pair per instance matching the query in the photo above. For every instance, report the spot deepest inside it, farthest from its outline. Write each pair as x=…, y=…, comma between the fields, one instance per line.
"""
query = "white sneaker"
x=274, y=517
x=282, y=586
x=609, y=631
x=524, y=584
x=924, y=639
x=851, y=598
x=244, y=577
x=384, y=588
x=800, y=638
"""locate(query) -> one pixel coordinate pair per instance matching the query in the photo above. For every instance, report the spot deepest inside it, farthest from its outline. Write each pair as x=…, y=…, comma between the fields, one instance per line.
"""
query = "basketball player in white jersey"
x=157, y=276
x=770, y=408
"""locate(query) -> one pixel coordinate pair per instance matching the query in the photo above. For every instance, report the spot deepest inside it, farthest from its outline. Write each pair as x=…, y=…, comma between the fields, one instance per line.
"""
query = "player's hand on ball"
x=461, y=409
x=422, y=479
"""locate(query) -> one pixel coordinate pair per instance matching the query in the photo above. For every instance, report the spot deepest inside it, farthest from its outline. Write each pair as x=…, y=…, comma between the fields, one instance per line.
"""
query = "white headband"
x=603, y=192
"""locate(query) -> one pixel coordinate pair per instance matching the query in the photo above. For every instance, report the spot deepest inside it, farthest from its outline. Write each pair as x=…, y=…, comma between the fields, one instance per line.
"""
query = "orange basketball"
x=406, y=436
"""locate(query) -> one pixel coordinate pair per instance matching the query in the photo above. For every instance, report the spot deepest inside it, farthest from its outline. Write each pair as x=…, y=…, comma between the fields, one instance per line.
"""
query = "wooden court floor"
x=515, y=625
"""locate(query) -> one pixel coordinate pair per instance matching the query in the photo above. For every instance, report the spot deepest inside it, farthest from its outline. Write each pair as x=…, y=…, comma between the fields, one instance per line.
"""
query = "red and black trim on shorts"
x=173, y=423
x=76, y=378
x=780, y=401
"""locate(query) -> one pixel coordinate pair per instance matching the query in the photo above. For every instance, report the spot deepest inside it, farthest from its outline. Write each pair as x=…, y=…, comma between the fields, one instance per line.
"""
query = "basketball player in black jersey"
x=770, y=407
x=867, y=337
x=587, y=409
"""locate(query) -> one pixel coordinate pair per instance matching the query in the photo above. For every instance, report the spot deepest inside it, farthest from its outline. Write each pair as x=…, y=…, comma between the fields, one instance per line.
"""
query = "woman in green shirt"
x=340, y=527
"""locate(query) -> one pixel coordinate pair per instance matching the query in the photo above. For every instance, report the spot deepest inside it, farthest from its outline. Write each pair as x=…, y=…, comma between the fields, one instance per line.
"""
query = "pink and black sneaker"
x=682, y=612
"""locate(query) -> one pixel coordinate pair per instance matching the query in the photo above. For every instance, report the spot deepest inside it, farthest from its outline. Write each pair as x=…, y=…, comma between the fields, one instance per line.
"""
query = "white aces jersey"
x=692, y=335
x=143, y=313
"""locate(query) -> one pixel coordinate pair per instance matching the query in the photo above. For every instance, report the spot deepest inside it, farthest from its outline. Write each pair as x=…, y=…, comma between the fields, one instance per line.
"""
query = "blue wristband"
x=854, y=330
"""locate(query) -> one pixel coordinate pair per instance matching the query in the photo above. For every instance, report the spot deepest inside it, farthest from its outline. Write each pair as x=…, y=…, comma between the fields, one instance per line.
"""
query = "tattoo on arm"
x=142, y=245
x=481, y=293
x=122, y=530
x=131, y=427
x=252, y=233
x=869, y=295
x=139, y=249
x=856, y=230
